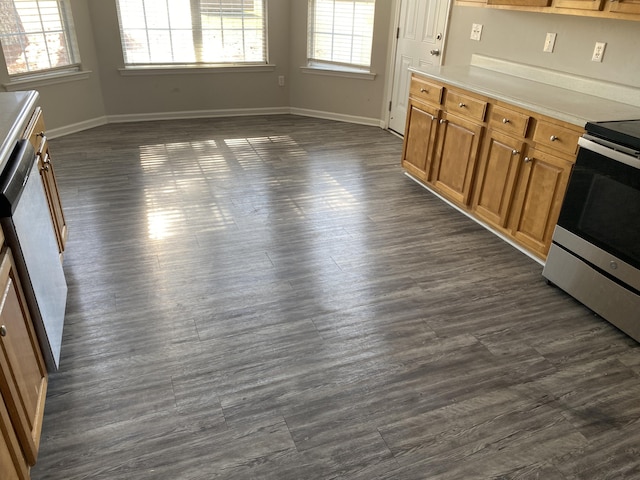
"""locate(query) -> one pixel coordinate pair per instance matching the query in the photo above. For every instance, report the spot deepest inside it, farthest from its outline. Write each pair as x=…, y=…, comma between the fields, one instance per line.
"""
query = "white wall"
x=77, y=101
x=511, y=35
x=519, y=36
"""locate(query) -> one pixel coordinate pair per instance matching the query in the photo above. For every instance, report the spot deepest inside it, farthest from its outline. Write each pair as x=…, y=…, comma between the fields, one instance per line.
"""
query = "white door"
x=421, y=34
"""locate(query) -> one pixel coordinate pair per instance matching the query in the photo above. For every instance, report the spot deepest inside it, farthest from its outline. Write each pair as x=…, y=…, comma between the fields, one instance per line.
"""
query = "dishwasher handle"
x=15, y=175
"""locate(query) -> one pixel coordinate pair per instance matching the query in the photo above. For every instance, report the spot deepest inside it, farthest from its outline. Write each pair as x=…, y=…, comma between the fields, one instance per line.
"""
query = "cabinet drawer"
x=556, y=137
x=426, y=91
x=465, y=105
x=509, y=121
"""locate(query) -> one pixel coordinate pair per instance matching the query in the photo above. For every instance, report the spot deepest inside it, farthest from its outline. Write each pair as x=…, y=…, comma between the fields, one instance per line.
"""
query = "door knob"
x=435, y=52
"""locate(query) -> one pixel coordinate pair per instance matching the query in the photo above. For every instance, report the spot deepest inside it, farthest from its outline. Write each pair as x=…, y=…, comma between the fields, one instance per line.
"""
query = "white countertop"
x=561, y=102
x=15, y=112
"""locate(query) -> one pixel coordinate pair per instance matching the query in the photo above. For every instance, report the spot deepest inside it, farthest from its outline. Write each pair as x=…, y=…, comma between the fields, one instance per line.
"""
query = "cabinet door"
x=456, y=157
x=23, y=376
x=419, y=139
x=53, y=195
x=540, y=190
x=625, y=6
x=579, y=4
x=12, y=463
x=496, y=180
x=35, y=132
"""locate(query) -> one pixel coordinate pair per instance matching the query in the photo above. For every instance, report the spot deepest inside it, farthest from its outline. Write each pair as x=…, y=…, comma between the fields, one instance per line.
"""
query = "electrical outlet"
x=281, y=80
x=476, y=32
x=549, y=42
x=598, y=52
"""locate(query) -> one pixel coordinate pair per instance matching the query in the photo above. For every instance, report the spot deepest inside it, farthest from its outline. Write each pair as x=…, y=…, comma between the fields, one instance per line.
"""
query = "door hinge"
x=398, y=32
x=390, y=105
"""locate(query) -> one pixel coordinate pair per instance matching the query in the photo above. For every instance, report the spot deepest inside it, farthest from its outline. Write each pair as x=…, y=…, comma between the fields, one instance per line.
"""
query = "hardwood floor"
x=271, y=298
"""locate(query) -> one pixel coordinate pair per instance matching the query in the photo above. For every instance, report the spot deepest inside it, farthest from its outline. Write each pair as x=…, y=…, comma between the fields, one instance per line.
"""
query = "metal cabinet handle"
x=424, y=90
x=527, y=159
x=442, y=121
x=46, y=163
x=462, y=105
x=3, y=331
x=505, y=120
x=553, y=138
x=515, y=152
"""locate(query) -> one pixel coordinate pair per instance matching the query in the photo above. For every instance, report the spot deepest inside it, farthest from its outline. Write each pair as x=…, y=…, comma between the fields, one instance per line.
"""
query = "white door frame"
x=393, y=50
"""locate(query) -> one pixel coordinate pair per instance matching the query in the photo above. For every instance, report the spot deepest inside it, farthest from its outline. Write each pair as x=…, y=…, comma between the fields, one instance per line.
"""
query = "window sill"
x=338, y=72
x=192, y=69
x=45, y=79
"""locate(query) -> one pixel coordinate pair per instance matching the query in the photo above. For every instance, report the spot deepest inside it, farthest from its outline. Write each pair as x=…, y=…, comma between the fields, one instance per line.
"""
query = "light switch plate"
x=476, y=32
x=598, y=52
x=549, y=42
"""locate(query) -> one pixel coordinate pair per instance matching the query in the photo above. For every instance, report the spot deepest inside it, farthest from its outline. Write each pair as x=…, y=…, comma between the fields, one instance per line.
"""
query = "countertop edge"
x=13, y=128
x=578, y=109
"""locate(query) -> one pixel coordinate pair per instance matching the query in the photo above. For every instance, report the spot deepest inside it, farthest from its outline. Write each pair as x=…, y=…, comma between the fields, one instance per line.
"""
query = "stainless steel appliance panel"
x=30, y=235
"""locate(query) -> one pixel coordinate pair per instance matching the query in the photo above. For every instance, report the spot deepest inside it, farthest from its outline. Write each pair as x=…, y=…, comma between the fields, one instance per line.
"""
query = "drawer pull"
x=505, y=120
x=442, y=121
x=424, y=90
x=527, y=159
x=553, y=138
x=462, y=105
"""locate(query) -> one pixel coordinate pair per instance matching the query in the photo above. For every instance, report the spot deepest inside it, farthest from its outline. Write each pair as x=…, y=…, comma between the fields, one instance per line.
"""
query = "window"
x=341, y=32
x=183, y=32
x=36, y=35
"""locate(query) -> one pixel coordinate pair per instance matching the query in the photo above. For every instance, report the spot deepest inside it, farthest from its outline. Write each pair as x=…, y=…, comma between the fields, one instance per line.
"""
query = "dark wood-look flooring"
x=271, y=298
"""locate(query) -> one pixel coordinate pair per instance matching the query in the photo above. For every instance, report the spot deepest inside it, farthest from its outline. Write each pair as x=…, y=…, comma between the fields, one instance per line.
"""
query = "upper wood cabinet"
x=625, y=6
x=521, y=3
x=620, y=9
x=36, y=134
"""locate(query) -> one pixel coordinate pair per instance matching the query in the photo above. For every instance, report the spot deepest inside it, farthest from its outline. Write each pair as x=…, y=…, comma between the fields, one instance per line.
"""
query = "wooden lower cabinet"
x=23, y=375
x=539, y=194
x=625, y=6
x=504, y=165
x=456, y=156
x=498, y=171
x=420, y=136
x=13, y=465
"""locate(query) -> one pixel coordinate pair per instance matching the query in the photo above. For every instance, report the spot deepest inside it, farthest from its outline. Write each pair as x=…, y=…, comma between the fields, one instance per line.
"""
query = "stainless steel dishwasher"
x=28, y=229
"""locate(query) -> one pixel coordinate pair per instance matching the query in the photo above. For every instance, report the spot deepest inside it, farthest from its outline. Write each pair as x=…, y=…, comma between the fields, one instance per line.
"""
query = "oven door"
x=595, y=253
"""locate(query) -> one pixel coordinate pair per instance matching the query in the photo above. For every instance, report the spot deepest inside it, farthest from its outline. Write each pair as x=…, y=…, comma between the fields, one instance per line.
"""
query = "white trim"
x=338, y=72
x=181, y=115
x=45, y=79
x=134, y=70
x=238, y=112
x=372, y=122
x=482, y=224
x=76, y=127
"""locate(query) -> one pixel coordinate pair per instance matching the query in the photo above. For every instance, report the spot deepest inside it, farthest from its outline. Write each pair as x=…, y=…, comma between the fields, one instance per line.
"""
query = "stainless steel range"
x=595, y=254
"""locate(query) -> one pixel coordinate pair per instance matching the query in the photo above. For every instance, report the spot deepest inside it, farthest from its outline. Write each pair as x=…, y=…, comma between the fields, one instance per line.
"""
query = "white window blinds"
x=193, y=31
x=36, y=35
x=341, y=32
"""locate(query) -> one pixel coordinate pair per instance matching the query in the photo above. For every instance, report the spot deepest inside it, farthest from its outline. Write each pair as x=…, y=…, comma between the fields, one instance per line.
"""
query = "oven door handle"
x=608, y=152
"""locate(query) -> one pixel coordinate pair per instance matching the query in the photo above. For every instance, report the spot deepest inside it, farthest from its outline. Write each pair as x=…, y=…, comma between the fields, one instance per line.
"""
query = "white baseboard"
x=229, y=112
x=232, y=112
x=339, y=117
x=77, y=127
